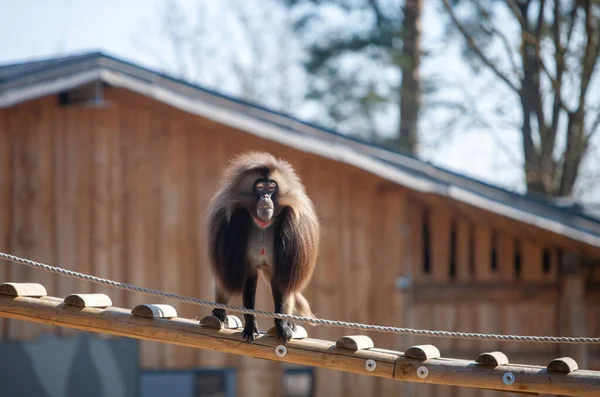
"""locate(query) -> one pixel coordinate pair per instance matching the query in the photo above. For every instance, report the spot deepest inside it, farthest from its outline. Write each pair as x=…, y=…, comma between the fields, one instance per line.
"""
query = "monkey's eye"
x=266, y=186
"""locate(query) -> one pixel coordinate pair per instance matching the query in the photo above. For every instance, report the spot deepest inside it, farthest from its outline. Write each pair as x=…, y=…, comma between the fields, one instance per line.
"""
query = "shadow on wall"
x=83, y=365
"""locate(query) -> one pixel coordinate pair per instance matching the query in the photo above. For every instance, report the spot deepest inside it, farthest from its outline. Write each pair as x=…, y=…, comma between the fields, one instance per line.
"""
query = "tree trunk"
x=410, y=89
x=573, y=154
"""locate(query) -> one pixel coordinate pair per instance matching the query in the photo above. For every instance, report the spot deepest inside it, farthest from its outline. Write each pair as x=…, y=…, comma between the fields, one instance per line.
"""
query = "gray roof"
x=28, y=80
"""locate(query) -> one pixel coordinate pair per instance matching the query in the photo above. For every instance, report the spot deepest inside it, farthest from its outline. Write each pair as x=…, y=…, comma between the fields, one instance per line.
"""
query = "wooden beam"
x=481, y=292
x=307, y=351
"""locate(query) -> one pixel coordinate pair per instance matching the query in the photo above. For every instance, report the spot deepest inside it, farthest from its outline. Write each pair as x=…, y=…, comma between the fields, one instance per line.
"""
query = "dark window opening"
x=426, y=243
x=452, y=264
x=494, y=253
x=546, y=261
x=517, y=259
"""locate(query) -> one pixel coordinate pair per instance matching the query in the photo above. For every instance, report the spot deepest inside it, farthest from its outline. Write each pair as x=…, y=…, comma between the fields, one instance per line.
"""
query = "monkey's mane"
x=291, y=189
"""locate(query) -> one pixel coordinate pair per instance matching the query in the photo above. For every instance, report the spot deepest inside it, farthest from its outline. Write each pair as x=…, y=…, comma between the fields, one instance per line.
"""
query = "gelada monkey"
x=261, y=221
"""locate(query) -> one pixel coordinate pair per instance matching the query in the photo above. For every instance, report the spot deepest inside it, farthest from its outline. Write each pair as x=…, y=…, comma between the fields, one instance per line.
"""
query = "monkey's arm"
x=296, y=249
x=227, y=248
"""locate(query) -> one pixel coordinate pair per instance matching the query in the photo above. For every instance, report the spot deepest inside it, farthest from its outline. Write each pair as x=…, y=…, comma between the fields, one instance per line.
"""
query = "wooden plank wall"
x=450, y=250
x=120, y=192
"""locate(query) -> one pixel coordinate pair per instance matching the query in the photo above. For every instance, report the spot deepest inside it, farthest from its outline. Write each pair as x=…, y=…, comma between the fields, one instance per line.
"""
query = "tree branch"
x=493, y=31
x=595, y=125
x=517, y=12
x=589, y=59
x=473, y=46
x=559, y=59
x=539, y=104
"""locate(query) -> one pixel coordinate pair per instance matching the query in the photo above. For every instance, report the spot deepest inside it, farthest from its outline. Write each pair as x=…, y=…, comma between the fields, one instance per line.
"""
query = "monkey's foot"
x=221, y=315
x=292, y=326
x=284, y=330
x=250, y=331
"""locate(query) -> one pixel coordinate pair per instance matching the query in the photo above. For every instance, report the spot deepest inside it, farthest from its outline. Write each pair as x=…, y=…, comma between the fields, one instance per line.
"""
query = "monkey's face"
x=265, y=190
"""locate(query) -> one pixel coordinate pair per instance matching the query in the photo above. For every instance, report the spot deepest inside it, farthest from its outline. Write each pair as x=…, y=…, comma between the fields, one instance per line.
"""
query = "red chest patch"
x=262, y=251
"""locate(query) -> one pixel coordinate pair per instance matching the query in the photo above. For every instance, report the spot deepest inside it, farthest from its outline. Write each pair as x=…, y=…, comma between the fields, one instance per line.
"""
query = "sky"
x=131, y=30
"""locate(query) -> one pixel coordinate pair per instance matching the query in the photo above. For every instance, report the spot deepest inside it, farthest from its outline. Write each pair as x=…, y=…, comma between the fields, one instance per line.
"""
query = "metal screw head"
x=280, y=351
x=422, y=372
x=370, y=365
x=508, y=378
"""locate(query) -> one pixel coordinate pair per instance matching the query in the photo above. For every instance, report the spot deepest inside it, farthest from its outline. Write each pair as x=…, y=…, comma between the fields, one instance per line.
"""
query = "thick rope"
x=332, y=323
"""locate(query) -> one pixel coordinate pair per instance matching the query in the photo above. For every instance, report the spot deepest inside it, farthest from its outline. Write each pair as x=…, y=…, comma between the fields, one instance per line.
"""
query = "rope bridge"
x=353, y=353
x=316, y=321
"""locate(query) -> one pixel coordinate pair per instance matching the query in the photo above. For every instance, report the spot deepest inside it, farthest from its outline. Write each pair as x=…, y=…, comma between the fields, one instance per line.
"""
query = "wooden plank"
x=444, y=313
x=325, y=190
x=178, y=273
x=422, y=316
x=440, y=222
x=308, y=351
x=488, y=314
x=104, y=124
x=117, y=172
x=65, y=196
x=5, y=198
x=88, y=300
x=531, y=262
x=206, y=156
x=392, y=257
x=489, y=292
x=357, y=193
x=32, y=195
x=140, y=215
x=81, y=133
x=23, y=289
x=20, y=204
x=467, y=318
x=540, y=318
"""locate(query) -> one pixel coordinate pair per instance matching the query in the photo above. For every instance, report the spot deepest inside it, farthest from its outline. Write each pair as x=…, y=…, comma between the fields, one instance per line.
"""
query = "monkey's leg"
x=221, y=296
x=284, y=303
x=250, y=327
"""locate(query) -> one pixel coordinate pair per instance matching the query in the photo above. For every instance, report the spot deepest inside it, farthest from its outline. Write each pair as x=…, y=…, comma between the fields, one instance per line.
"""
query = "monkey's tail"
x=302, y=307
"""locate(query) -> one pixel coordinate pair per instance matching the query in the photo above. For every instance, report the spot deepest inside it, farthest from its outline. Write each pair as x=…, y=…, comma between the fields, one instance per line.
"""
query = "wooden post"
x=572, y=313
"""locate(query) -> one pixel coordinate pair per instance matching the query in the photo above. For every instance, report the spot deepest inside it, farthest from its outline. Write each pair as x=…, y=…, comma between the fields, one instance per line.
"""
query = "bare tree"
x=247, y=51
x=548, y=66
x=365, y=69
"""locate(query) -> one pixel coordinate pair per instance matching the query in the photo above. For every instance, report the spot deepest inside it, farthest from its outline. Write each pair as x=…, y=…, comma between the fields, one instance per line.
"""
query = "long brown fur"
x=296, y=226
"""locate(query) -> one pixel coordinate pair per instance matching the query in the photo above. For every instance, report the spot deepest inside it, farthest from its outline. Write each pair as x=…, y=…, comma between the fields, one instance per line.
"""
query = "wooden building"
x=107, y=167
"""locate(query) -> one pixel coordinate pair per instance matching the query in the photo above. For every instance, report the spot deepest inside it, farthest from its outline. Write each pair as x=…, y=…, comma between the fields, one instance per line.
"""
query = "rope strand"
x=316, y=321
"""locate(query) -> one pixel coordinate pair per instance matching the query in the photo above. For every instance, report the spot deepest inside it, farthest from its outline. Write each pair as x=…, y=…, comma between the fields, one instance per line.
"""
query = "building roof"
x=28, y=80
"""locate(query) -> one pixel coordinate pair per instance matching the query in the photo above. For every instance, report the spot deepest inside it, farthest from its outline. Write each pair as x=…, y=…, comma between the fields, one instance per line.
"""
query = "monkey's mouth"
x=264, y=216
x=261, y=223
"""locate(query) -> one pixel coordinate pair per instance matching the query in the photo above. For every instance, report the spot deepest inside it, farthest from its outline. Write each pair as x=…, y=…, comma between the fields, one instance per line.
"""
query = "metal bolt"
x=422, y=372
x=280, y=351
x=370, y=365
x=508, y=378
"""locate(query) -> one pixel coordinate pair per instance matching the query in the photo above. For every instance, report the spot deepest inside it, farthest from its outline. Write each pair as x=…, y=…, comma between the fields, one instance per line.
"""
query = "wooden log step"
x=211, y=321
x=154, y=311
x=492, y=359
x=88, y=300
x=299, y=333
x=563, y=364
x=422, y=352
x=355, y=342
x=23, y=289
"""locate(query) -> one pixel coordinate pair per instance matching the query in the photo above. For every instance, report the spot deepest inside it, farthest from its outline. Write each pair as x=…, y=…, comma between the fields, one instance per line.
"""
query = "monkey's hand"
x=284, y=330
x=250, y=330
